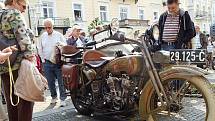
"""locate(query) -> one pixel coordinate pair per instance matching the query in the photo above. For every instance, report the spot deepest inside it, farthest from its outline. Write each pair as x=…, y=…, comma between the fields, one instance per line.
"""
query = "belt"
x=168, y=43
x=48, y=61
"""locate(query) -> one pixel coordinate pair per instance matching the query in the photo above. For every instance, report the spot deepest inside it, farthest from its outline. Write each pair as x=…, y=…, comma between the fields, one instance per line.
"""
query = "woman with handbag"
x=14, y=31
x=4, y=54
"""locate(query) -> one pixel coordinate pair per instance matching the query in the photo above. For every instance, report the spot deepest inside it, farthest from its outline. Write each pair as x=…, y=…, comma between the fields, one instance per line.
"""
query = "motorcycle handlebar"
x=91, y=43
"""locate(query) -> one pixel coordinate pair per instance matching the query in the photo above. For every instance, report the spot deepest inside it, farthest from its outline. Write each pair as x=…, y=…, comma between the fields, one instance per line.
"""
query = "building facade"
x=201, y=12
x=65, y=13
x=213, y=12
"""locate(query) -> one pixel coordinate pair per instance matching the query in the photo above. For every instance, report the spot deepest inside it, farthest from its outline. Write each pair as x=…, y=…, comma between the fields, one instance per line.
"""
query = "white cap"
x=76, y=27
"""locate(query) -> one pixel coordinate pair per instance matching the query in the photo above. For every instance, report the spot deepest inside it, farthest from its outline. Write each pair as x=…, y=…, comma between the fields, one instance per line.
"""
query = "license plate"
x=188, y=55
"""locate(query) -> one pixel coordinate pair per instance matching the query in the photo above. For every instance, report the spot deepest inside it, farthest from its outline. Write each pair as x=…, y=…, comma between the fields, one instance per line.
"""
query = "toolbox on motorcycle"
x=70, y=76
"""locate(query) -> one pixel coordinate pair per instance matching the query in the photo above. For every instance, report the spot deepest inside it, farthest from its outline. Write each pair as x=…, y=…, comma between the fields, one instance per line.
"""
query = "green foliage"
x=96, y=22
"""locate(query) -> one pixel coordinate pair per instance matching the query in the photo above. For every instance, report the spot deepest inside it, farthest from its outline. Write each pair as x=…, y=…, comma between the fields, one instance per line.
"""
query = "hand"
x=4, y=56
x=31, y=58
x=10, y=49
x=5, y=53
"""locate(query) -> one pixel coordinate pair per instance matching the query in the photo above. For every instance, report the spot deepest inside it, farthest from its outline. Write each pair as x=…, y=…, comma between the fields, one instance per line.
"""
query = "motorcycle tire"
x=213, y=64
x=82, y=109
x=146, y=100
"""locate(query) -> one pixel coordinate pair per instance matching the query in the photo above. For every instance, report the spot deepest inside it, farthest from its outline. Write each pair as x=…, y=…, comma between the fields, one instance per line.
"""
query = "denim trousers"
x=53, y=72
x=167, y=47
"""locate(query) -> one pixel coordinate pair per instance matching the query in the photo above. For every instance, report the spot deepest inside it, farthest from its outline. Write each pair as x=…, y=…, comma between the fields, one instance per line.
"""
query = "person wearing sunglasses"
x=14, y=28
x=52, y=70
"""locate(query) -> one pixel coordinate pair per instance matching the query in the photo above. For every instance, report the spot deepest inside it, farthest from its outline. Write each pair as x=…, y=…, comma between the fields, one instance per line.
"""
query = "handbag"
x=30, y=84
x=5, y=42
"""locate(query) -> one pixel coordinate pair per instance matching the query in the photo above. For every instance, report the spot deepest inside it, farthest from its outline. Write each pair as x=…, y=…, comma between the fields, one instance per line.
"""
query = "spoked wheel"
x=191, y=99
x=82, y=102
x=213, y=63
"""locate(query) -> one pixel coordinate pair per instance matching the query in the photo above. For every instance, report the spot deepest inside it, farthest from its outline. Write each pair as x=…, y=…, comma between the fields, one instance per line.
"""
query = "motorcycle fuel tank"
x=131, y=65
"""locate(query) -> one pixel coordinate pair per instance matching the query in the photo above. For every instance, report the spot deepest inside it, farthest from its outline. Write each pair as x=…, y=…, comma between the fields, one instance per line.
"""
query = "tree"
x=96, y=22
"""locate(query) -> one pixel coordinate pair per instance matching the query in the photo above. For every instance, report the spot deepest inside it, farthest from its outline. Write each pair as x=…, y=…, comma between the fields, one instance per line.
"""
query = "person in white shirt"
x=46, y=47
x=200, y=40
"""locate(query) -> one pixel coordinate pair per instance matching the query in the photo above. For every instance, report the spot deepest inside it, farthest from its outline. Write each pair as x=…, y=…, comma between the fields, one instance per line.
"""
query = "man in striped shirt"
x=175, y=26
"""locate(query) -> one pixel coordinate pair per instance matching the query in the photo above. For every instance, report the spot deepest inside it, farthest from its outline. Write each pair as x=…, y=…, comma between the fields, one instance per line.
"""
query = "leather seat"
x=70, y=51
x=93, y=58
x=96, y=64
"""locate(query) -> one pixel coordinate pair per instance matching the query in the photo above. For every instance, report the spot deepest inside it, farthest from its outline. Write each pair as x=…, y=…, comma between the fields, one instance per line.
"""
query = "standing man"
x=46, y=47
x=200, y=40
x=175, y=26
x=75, y=38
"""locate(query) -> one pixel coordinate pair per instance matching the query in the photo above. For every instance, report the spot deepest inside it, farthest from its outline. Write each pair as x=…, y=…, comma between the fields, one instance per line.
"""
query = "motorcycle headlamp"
x=155, y=32
x=114, y=24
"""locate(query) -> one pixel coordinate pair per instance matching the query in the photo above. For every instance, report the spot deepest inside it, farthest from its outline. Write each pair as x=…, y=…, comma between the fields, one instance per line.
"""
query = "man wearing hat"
x=74, y=37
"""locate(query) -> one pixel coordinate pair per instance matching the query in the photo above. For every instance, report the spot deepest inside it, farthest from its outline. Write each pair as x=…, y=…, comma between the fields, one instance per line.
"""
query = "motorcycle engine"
x=119, y=91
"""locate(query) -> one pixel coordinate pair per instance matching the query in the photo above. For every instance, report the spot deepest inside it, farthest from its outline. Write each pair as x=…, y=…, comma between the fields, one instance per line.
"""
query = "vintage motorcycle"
x=119, y=77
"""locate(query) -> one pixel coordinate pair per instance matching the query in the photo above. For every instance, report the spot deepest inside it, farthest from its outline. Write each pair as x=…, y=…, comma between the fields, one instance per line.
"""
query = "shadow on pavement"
x=51, y=106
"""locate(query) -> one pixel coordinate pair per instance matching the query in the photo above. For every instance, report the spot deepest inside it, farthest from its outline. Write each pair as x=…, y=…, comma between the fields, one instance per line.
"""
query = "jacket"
x=203, y=40
x=74, y=42
x=13, y=26
x=186, y=31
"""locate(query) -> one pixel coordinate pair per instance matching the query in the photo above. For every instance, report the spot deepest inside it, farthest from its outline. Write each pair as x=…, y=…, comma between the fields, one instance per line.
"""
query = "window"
x=103, y=13
x=123, y=13
x=197, y=11
x=155, y=15
x=141, y=14
x=78, y=12
x=48, y=9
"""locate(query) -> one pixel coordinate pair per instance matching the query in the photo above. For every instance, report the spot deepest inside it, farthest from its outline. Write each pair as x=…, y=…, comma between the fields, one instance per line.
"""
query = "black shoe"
x=3, y=100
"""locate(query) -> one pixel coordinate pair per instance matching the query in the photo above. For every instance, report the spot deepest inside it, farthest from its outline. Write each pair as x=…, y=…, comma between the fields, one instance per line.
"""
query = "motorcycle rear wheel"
x=82, y=107
x=148, y=101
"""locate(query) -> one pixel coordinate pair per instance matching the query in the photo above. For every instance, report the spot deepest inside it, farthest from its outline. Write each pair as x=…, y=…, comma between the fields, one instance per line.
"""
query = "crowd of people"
x=176, y=32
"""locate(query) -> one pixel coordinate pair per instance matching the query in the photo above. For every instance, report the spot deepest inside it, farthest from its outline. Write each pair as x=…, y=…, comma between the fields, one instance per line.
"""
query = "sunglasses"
x=47, y=27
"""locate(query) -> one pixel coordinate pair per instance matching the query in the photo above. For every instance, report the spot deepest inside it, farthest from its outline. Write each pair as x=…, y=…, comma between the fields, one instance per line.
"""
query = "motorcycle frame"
x=152, y=71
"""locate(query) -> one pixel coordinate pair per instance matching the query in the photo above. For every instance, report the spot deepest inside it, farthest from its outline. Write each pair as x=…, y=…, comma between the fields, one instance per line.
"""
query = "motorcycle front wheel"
x=191, y=98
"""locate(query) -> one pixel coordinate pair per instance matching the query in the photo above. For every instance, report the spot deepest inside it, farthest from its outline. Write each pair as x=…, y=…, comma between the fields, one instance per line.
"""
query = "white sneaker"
x=62, y=103
x=53, y=101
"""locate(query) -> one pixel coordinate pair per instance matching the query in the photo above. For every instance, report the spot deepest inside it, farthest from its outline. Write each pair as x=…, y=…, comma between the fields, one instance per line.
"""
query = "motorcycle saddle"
x=96, y=64
x=69, y=51
x=93, y=58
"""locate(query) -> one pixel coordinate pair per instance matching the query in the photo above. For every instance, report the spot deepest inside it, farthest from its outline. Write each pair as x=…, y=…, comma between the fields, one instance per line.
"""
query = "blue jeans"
x=167, y=47
x=52, y=72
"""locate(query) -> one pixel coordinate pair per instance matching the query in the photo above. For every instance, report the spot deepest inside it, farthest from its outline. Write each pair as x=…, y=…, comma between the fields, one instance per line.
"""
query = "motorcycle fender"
x=184, y=70
x=187, y=70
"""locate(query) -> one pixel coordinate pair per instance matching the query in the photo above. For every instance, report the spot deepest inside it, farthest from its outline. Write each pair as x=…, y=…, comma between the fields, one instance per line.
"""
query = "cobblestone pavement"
x=43, y=111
